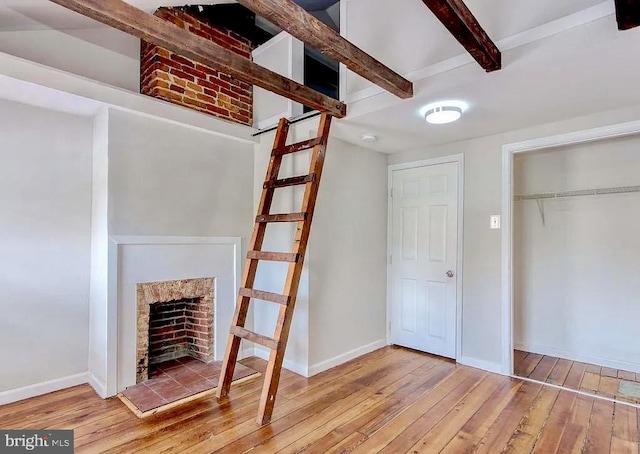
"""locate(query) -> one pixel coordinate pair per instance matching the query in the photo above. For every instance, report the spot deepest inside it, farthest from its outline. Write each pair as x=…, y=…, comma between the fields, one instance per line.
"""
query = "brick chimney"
x=181, y=81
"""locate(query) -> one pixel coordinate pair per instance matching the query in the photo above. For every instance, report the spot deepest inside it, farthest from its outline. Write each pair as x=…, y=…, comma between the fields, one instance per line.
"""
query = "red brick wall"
x=180, y=328
x=181, y=81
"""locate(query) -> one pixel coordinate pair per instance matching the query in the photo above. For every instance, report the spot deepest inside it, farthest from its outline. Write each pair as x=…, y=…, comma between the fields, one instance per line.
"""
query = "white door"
x=424, y=243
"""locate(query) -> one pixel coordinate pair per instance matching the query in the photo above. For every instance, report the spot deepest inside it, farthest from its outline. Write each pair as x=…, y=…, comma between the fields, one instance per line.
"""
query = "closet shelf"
x=541, y=197
x=578, y=193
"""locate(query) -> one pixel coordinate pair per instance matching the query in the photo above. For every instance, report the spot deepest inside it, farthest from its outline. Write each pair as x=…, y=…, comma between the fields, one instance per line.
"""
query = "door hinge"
x=391, y=193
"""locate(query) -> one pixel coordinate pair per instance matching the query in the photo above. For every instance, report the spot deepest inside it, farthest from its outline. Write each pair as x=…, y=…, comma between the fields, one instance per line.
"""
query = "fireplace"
x=174, y=320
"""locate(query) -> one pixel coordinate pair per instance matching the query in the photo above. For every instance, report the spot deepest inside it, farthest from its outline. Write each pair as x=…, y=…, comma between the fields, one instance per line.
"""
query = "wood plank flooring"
x=589, y=378
x=393, y=400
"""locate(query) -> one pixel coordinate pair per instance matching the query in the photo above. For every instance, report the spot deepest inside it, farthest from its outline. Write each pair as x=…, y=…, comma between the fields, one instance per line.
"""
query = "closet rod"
x=579, y=193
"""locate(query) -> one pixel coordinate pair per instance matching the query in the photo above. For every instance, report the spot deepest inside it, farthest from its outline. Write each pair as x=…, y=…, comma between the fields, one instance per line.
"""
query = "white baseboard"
x=98, y=386
x=287, y=364
x=344, y=357
x=489, y=366
x=38, y=389
x=591, y=359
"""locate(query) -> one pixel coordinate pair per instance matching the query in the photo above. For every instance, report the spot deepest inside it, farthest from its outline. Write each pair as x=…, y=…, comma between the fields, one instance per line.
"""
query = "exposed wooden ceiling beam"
x=121, y=15
x=462, y=24
x=627, y=14
x=297, y=22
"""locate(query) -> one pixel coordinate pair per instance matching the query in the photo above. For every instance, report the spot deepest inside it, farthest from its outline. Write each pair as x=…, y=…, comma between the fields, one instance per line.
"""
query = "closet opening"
x=576, y=261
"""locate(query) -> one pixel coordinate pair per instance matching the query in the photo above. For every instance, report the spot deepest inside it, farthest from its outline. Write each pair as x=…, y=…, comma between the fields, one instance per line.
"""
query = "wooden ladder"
x=287, y=300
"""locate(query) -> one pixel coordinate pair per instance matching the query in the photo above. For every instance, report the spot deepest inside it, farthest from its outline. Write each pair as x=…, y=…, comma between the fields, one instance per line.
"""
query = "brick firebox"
x=174, y=319
x=178, y=80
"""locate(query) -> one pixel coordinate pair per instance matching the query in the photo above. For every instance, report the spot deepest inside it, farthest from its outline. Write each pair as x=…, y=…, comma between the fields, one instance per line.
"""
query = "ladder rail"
x=287, y=299
x=251, y=266
x=285, y=315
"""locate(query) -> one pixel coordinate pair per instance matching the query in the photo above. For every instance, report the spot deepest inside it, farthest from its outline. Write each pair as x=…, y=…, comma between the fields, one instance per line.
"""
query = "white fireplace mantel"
x=135, y=259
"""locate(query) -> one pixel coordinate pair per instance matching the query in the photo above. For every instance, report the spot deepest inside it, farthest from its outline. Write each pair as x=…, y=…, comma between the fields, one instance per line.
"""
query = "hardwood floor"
x=589, y=378
x=393, y=400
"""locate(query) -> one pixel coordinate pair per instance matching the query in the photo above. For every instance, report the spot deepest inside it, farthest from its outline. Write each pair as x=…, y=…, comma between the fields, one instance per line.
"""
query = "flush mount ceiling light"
x=443, y=112
x=369, y=138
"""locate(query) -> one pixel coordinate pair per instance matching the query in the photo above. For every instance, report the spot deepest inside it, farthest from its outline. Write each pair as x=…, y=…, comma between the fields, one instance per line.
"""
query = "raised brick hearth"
x=174, y=320
x=181, y=81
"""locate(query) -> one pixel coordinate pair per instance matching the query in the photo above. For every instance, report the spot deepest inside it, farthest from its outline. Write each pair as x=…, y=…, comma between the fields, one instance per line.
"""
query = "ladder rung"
x=287, y=149
x=265, y=296
x=288, y=217
x=255, y=337
x=293, y=181
x=273, y=256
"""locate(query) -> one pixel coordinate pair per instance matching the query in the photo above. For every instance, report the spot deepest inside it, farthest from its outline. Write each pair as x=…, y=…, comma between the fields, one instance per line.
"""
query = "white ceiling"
x=42, y=14
x=499, y=17
x=591, y=68
x=502, y=18
x=587, y=69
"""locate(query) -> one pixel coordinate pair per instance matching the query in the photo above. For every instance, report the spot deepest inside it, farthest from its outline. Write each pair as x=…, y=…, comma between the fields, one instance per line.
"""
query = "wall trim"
x=476, y=363
x=576, y=137
x=529, y=36
x=98, y=386
x=590, y=359
x=458, y=159
x=347, y=356
x=112, y=286
x=299, y=369
x=38, y=389
x=577, y=391
x=508, y=152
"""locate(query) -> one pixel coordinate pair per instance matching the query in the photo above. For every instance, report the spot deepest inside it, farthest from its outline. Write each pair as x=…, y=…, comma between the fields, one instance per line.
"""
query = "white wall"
x=482, y=263
x=575, y=291
x=348, y=257
x=103, y=54
x=167, y=179
x=341, y=306
x=45, y=216
x=283, y=54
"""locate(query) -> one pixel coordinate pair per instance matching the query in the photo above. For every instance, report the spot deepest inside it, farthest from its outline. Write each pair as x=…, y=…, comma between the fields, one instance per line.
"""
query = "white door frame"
x=458, y=159
x=508, y=152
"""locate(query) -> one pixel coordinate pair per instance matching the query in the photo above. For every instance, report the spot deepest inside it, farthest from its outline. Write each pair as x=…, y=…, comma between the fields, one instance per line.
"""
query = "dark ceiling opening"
x=321, y=72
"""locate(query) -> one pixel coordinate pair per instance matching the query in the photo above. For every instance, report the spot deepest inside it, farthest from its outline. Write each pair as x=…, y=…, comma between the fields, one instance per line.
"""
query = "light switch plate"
x=495, y=221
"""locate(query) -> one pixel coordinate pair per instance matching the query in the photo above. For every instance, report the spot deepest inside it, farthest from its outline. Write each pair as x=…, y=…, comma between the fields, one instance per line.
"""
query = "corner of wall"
x=98, y=336
x=496, y=368
x=344, y=357
x=296, y=367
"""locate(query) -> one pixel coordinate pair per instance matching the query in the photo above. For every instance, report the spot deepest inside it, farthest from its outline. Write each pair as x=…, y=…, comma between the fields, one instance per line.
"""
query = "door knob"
x=449, y=273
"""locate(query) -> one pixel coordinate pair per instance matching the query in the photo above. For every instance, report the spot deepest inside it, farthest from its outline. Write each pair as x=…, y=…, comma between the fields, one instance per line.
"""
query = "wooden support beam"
x=119, y=14
x=627, y=14
x=297, y=22
x=462, y=24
